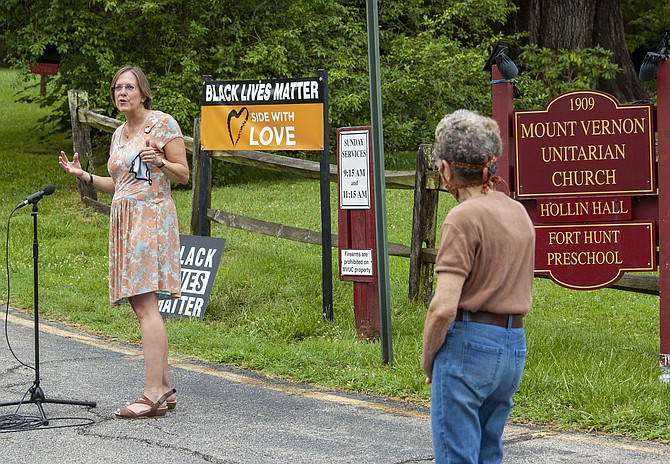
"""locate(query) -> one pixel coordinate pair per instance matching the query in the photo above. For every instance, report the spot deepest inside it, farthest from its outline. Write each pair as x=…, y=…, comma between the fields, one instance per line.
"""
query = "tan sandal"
x=155, y=409
x=166, y=397
x=171, y=404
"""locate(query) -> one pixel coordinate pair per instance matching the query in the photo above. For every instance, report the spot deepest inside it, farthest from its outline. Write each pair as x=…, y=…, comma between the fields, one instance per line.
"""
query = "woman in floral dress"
x=146, y=154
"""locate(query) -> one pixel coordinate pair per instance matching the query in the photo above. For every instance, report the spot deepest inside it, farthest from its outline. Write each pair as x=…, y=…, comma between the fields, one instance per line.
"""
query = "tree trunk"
x=609, y=34
x=571, y=24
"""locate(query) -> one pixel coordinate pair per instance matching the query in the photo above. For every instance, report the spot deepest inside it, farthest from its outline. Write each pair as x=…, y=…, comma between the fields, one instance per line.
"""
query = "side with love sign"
x=273, y=114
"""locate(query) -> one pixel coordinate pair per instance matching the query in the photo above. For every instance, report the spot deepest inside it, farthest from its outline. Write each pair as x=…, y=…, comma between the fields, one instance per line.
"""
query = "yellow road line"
x=233, y=377
x=624, y=446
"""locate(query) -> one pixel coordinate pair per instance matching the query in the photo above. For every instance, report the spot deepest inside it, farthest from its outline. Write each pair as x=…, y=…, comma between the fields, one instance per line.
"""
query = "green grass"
x=593, y=356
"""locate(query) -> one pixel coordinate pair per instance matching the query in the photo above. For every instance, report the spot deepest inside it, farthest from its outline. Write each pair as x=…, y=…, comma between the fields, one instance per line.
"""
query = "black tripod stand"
x=36, y=393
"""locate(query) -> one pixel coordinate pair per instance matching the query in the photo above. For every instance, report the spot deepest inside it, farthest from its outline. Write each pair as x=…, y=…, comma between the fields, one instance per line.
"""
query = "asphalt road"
x=230, y=416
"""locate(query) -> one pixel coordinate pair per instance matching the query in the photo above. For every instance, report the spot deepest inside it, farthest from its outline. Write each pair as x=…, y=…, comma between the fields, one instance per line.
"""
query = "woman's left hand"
x=149, y=155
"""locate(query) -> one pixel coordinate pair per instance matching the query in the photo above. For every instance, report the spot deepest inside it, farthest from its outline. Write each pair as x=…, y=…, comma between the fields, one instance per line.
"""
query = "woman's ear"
x=445, y=171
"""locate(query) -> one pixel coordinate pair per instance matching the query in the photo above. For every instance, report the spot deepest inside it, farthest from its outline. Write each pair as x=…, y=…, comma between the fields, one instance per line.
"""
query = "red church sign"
x=590, y=256
x=578, y=164
x=594, y=176
x=584, y=143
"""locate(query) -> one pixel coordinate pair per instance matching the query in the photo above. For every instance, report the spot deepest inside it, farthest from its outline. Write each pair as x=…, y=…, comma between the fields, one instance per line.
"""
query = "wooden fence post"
x=202, y=186
x=195, y=178
x=424, y=227
x=81, y=139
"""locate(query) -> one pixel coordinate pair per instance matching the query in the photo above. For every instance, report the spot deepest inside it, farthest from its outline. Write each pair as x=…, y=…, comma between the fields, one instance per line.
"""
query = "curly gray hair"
x=465, y=137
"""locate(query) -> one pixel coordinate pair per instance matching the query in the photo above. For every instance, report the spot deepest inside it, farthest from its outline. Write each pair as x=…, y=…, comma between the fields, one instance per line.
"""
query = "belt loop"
x=510, y=321
x=466, y=316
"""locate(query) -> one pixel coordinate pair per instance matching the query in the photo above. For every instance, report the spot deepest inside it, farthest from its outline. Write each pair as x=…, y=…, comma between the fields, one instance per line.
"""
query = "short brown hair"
x=142, y=81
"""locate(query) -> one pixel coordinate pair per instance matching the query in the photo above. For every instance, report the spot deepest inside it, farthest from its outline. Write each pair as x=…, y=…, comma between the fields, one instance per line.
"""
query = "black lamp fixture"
x=649, y=66
x=505, y=64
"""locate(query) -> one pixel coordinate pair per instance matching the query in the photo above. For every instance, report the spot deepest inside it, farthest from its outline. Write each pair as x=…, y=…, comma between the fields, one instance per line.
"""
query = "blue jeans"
x=476, y=372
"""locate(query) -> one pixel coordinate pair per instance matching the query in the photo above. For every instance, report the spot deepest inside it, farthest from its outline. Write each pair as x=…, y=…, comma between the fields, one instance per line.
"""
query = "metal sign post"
x=379, y=179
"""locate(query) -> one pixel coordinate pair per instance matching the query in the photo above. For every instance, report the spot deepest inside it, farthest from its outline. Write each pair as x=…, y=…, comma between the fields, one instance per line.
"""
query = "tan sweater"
x=490, y=240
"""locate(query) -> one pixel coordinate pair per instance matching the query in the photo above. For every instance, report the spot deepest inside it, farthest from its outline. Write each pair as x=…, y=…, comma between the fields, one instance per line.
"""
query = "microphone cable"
x=9, y=345
x=21, y=423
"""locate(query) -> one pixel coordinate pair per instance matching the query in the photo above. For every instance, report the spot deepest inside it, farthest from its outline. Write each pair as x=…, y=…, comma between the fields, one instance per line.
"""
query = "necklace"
x=128, y=132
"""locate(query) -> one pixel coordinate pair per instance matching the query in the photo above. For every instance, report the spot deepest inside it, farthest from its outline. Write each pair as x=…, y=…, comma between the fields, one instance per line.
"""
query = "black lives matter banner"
x=273, y=114
x=199, y=257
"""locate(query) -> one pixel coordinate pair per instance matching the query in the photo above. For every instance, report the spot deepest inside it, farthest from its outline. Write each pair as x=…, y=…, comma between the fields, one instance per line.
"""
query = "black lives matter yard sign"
x=199, y=257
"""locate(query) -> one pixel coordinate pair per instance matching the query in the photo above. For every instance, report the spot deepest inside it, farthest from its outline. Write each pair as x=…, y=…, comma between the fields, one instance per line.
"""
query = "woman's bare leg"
x=154, y=347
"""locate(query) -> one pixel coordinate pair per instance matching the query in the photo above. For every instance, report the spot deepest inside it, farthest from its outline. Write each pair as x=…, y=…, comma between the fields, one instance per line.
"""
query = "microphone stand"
x=37, y=395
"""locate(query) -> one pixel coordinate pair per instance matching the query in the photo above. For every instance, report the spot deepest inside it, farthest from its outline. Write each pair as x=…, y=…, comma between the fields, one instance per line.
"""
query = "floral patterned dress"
x=143, y=229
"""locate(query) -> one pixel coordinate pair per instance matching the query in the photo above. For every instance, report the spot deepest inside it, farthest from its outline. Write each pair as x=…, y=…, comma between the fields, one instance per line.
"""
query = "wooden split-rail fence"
x=423, y=180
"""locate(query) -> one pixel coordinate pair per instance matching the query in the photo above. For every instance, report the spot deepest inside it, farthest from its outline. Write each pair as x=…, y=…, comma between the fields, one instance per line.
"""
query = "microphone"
x=37, y=196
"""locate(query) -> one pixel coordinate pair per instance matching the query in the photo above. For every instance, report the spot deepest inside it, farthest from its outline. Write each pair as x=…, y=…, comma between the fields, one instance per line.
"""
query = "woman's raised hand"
x=71, y=167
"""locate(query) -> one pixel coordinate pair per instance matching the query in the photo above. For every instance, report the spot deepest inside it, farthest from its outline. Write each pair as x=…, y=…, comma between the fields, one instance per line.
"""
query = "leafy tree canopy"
x=432, y=53
x=646, y=21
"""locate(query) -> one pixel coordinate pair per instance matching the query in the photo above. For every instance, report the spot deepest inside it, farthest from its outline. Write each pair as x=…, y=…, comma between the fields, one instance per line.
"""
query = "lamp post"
x=503, y=71
x=656, y=67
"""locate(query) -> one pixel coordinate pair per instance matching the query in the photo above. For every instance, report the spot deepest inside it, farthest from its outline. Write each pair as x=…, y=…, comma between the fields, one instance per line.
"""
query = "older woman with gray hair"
x=474, y=344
